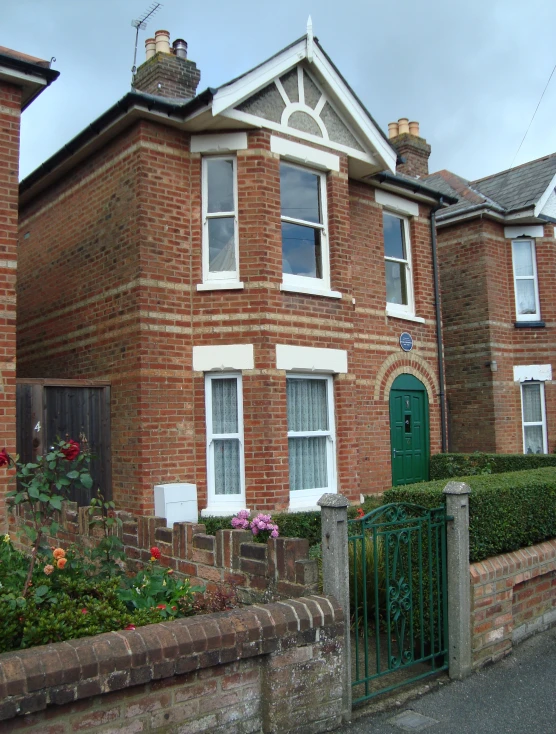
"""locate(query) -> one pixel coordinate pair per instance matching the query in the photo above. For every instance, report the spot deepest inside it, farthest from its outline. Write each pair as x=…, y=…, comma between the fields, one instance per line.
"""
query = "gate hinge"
x=450, y=518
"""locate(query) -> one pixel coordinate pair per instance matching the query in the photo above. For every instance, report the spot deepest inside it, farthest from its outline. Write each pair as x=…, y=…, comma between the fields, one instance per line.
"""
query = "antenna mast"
x=141, y=24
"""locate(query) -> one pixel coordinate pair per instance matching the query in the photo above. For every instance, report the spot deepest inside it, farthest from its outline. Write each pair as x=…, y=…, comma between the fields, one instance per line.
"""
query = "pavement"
x=515, y=696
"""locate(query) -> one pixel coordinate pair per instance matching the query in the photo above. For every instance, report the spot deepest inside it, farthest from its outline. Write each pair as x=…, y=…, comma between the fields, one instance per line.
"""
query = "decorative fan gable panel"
x=295, y=101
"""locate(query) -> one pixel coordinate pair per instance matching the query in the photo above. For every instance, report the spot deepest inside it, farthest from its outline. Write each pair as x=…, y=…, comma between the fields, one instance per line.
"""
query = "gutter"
x=414, y=186
x=439, y=339
x=29, y=68
x=121, y=108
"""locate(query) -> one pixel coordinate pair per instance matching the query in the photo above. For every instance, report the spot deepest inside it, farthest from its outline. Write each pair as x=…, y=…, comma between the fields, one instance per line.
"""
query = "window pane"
x=226, y=466
x=307, y=406
x=301, y=250
x=396, y=287
x=533, y=440
x=532, y=409
x=220, y=185
x=300, y=194
x=526, y=296
x=523, y=258
x=222, y=251
x=307, y=458
x=394, y=244
x=224, y=406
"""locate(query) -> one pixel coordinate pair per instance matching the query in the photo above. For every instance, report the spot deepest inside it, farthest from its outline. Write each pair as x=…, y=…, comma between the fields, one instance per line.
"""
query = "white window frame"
x=223, y=504
x=219, y=279
x=302, y=499
x=535, y=423
x=527, y=316
x=319, y=286
x=399, y=309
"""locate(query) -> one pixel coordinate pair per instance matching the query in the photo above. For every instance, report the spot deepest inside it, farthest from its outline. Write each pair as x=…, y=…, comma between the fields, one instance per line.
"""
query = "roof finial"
x=309, y=40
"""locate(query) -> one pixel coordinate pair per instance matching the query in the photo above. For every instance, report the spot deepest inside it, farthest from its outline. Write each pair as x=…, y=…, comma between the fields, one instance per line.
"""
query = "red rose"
x=130, y=627
x=71, y=451
x=84, y=611
x=4, y=458
x=155, y=552
x=161, y=606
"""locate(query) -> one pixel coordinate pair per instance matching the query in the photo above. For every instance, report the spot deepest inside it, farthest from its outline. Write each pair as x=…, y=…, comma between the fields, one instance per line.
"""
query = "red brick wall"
x=478, y=311
x=111, y=265
x=10, y=112
x=267, y=667
x=513, y=595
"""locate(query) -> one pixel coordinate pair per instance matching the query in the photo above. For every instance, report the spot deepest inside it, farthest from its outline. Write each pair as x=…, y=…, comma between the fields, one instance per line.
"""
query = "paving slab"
x=515, y=696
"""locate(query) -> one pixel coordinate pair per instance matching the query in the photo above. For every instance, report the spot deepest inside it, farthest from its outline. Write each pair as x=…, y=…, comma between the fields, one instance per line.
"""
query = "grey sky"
x=470, y=72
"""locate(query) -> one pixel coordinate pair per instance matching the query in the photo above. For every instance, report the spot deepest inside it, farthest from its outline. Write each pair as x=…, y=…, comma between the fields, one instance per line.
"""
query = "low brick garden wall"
x=512, y=596
x=281, y=568
x=266, y=668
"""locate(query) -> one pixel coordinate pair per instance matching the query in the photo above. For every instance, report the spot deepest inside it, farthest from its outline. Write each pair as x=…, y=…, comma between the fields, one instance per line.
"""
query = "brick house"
x=239, y=264
x=497, y=253
x=22, y=79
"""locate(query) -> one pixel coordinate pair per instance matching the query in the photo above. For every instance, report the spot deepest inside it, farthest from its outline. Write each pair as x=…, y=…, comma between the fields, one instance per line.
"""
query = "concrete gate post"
x=335, y=575
x=459, y=585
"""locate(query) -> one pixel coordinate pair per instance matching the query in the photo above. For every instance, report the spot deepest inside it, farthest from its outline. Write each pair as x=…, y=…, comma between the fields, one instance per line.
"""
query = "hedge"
x=506, y=511
x=447, y=466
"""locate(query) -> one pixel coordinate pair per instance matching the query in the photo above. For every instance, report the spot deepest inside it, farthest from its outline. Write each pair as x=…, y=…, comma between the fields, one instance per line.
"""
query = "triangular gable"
x=300, y=92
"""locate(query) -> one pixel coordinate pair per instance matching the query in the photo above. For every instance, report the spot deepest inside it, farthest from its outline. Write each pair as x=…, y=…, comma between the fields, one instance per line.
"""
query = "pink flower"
x=84, y=611
x=48, y=569
x=130, y=627
x=274, y=533
x=4, y=458
x=155, y=553
x=161, y=606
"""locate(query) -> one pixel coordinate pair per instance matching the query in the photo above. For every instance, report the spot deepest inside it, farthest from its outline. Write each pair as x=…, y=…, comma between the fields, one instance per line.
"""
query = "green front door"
x=409, y=431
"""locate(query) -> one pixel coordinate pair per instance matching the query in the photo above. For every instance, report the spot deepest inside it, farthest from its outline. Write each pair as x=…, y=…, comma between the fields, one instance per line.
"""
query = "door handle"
x=394, y=453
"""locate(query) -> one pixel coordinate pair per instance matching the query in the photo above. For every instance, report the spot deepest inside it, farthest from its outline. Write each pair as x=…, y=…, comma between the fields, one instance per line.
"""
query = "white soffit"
x=541, y=203
x=523, y=230
x=397, y=203
x=311, y=359
x=305, y=154
x=539, y=372
x=222, y=143
x=223, y=357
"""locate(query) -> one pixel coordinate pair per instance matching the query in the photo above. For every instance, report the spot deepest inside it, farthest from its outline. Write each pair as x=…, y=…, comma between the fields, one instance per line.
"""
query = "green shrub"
x=506, y=511
x=447, y=466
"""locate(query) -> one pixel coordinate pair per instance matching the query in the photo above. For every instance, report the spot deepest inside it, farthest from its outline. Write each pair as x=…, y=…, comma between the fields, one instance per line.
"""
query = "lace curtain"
x=307, y=411
x=532, y=413
x=227, y=478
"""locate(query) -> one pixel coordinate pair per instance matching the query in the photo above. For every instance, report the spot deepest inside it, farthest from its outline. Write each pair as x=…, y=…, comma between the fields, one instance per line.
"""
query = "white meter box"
x=176, y=502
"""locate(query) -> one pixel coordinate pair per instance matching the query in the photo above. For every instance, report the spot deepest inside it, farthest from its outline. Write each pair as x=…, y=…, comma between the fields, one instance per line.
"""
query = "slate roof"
x=508, y=191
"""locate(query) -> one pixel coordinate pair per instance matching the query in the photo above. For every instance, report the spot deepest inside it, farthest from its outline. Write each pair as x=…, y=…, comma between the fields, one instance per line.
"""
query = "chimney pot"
x=414, y=128
x=180, y=48
x=403, y=123
x=150, y=48
x=162, y=42
x=393, y=130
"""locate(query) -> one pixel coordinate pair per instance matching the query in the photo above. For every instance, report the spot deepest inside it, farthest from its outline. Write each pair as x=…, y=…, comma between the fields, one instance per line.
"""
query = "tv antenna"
x=140, y=24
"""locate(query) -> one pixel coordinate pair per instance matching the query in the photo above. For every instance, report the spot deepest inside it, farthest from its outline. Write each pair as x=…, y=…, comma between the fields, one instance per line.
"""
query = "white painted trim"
x=219, y=502
x=537, y=372
x=223, y=357
x=542, y=422
x=290, y=288
x=311, y=359
x=390, y=311
x=525, y=230
x=304, y=154
x=221, y=143
x=539, y=206
x=221, y=285
x=396, y=203
x=257, y=122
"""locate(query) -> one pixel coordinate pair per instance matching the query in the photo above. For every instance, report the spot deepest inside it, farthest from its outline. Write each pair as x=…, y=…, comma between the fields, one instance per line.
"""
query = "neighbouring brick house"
x=240, y=265
x=22, y=79
x=497, y=252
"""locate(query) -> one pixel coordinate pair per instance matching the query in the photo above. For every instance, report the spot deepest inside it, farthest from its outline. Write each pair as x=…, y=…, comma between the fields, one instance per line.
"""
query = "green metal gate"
x=398, y=599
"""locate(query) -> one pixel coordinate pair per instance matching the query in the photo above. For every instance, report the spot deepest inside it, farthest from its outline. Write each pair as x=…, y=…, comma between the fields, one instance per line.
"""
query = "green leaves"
x=86, y=480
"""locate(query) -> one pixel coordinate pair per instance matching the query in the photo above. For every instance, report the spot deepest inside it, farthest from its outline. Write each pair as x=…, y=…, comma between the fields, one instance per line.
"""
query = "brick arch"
x=406, y=364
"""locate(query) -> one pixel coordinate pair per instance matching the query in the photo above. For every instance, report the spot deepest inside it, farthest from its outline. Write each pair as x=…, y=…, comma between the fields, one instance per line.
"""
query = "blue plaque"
x=406, y=341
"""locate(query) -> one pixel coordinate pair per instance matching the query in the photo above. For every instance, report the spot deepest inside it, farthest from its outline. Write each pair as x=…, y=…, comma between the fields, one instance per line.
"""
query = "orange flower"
x=59, y=553
x=48, y=569
x=61, y=562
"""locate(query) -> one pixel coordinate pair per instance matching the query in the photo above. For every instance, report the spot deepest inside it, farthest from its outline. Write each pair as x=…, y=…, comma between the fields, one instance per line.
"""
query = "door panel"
x=409, y=432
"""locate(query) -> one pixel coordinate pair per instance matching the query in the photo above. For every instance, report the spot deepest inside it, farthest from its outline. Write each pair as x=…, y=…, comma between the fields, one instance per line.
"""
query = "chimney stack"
x=404, y=136
x=166, y=71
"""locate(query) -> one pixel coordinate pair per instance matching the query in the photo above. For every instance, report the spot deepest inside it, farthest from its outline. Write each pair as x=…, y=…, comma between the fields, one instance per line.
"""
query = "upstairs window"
x=220, y=240
x=526, y=286
x=305, y=260
x=397, y=257
x=533, y=418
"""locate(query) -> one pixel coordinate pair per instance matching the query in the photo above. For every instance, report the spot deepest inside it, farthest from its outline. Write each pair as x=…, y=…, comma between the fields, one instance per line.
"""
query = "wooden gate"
x=47, y=409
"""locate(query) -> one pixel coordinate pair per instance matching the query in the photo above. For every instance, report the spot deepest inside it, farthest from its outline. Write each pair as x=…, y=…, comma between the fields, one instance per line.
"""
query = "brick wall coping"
x=59, y=673
x=523, y=563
